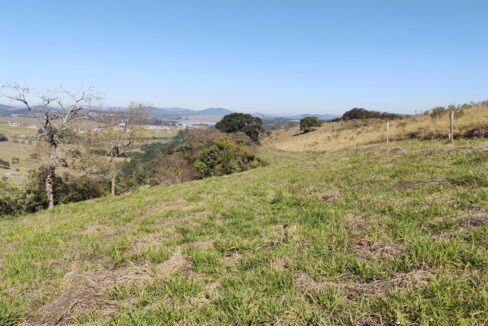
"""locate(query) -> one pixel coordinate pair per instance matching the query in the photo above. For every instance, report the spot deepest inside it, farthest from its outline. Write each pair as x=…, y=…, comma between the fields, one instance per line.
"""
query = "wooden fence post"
x=387, y=131
x=451, y=126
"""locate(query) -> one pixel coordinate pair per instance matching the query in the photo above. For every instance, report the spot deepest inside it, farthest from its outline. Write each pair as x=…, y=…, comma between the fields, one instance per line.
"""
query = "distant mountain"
x=170, y=111
x=214, y=111
x=176, y=111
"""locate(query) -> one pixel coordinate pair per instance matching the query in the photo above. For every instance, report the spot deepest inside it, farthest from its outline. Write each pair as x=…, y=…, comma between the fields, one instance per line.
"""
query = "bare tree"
x=116, y=137
x=57, y=114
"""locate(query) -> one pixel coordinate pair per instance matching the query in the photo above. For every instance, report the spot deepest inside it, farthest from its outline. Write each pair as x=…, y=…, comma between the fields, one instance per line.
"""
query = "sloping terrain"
x=381, y=234
x=468, y=123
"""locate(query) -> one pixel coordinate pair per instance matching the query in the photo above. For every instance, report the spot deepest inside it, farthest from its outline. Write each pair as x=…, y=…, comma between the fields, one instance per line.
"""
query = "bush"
x=309, y=123
x=15, y=160
x=246, y=123
x=224, y=157
x=437, y=112
x=4, y=164
x=3, y=138
x=360, y=113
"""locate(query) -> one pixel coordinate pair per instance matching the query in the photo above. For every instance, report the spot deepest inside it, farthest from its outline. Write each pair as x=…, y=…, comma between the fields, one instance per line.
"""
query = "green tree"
x=246, y=123
x=309, y=123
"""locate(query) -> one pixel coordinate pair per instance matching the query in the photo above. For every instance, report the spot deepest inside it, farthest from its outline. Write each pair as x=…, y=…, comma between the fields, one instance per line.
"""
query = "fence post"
x=387, y=131
x=451, y=126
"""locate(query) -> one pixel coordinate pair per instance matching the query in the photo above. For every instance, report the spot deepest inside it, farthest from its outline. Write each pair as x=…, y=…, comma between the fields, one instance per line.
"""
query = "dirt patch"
x=370, y=250
x=472, y=221
x=415, y=279
x=203, y=245
x=88, y=290
x=328, y=198
x=279, y=264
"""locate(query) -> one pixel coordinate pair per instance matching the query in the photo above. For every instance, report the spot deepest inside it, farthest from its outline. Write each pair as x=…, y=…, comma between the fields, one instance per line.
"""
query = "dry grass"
x=343, y=134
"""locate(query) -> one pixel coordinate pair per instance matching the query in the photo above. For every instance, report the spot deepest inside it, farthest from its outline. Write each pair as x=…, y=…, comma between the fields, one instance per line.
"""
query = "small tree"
x=115, y=138
x=309, y=123
x=246, y=123
x=57, y=122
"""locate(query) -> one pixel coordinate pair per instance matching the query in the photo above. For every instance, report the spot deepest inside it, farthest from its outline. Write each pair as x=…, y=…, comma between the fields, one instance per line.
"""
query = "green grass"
x=379, y=235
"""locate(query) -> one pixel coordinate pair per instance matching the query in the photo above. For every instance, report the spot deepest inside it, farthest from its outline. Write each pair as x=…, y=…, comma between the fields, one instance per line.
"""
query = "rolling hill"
x=378, y=234
x=470, y=121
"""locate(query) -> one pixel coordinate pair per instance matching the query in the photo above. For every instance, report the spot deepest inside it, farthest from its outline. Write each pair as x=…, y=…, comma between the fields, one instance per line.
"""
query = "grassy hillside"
x=345, y=134
x=22, y=142
x=379, y=234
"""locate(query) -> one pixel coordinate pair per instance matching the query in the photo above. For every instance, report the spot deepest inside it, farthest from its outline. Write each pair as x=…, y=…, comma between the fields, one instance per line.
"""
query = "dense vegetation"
x=241, y=122
x=360, y=113
x=32, y=197
x=380, y=234
x=193, y=154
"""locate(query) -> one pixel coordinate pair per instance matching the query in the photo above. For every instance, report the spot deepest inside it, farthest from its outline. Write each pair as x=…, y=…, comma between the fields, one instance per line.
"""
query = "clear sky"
x=273, y=56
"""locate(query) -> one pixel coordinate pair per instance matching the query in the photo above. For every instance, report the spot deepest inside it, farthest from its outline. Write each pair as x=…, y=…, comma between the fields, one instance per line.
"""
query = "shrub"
x=360, y=113
x=437, y=112
x=224, y=157
x=15, y=160
x=3, y=138
x=4, y=164
x=309, y=123
x=246, y=123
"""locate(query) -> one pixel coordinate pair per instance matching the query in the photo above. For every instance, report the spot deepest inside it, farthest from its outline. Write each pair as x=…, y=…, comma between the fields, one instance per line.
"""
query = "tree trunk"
x=51, y=176
x=113, y=178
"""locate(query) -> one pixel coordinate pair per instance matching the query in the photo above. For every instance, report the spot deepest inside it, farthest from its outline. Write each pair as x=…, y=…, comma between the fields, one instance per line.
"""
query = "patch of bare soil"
x=370, y=250
x=415, y=279
x=88, y=290
x=328, y=198
x=279, y=264
x=472, y=221
x=203, y=245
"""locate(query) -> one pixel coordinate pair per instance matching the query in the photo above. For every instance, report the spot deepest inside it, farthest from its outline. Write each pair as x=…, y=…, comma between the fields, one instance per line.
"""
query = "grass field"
x=344, y=134
x=21, y=144
x=380, y=234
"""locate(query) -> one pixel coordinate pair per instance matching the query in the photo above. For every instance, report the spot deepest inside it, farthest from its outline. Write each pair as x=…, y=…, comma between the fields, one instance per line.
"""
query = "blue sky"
x=274, y=56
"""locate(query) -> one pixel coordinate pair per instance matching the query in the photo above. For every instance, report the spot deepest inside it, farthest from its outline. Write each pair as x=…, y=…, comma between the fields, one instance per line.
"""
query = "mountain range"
x=6, y=110
x=189, y=112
